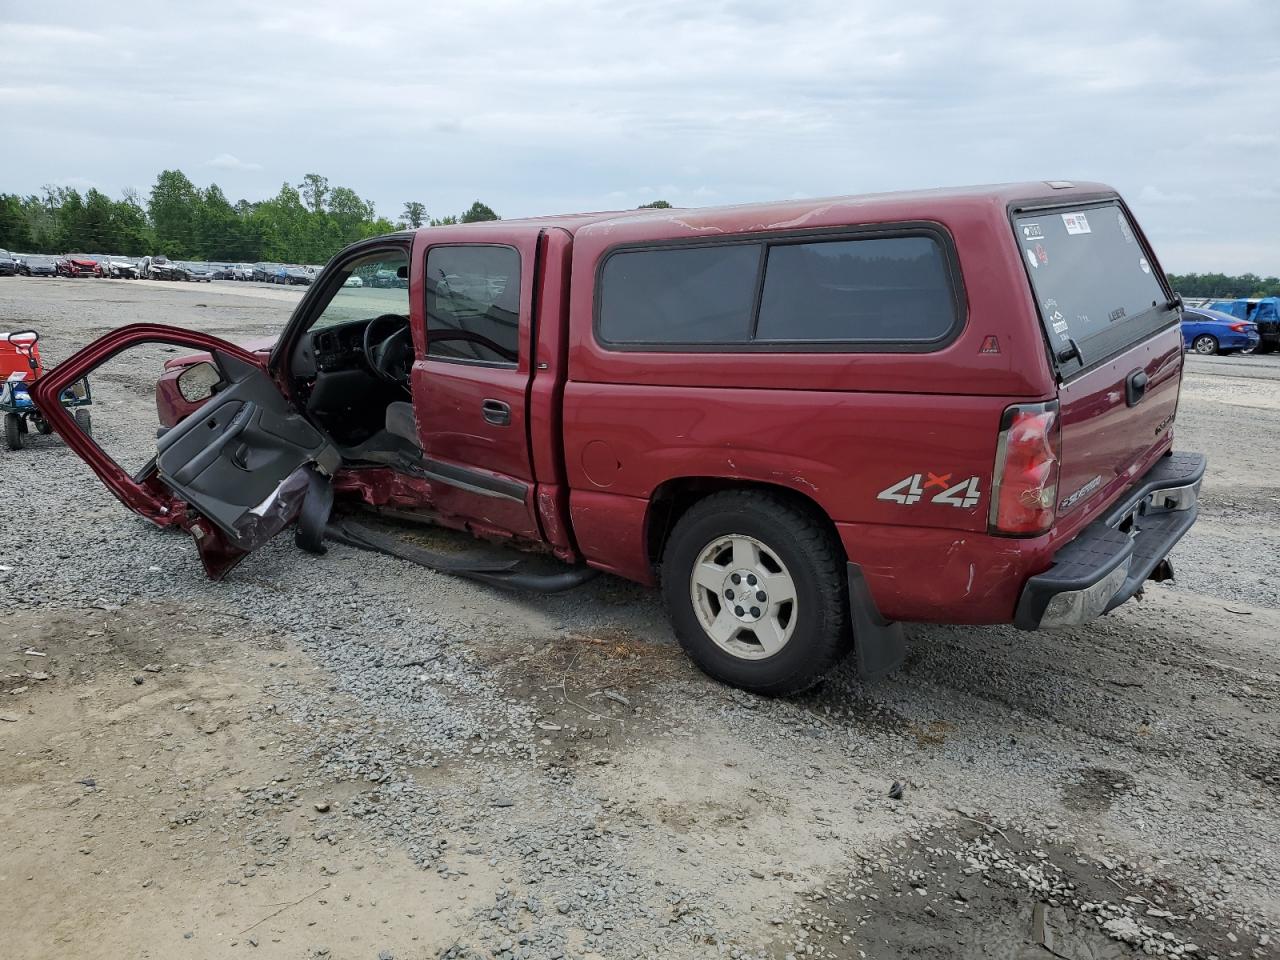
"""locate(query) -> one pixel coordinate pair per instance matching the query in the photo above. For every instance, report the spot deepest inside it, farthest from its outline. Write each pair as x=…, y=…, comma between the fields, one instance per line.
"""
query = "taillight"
x=1025, y=487
x=1239, y=326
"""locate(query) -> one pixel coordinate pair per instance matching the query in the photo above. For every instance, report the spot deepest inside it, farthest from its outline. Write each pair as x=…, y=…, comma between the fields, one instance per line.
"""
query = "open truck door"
x=233, y=473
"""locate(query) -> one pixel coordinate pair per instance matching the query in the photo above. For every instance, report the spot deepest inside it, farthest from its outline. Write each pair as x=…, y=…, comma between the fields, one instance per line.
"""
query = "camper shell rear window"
x=1095, y=285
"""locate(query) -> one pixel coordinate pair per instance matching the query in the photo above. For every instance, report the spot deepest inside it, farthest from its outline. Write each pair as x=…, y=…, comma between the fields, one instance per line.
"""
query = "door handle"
x=1135, y=387
x=496, y=412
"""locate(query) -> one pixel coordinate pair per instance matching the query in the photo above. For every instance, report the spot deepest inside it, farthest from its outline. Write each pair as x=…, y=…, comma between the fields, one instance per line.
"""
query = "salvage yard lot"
x=346, y=755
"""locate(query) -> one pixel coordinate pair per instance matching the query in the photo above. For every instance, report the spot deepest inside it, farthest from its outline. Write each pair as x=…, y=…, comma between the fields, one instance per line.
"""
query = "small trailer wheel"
x=13, y=431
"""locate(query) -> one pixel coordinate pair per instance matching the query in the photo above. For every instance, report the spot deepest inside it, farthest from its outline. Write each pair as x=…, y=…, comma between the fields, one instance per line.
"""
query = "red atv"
x=19, y=368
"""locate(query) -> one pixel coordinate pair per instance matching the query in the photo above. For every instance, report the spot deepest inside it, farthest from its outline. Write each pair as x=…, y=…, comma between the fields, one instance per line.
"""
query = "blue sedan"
x=1207, y=332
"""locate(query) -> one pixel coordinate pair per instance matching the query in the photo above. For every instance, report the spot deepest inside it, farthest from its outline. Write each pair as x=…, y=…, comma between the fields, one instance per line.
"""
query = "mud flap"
x=878, y=643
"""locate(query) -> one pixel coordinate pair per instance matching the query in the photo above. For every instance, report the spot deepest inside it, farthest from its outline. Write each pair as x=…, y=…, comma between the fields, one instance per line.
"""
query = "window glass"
x=473, y=293
x=893, y=289
x=687, y=295
x=371, y=286
x=1089, y=272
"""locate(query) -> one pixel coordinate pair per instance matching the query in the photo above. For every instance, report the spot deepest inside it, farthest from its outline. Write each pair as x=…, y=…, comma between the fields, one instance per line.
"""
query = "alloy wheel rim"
x=744, y=597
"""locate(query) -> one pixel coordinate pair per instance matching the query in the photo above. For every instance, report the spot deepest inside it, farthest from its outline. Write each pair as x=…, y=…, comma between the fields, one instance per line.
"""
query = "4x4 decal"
x=914, y=488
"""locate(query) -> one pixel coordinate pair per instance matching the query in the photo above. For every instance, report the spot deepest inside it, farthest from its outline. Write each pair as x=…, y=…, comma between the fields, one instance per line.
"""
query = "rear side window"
x=891, y=289
x=1091, y=277
x=473, y=303
x=686, y=295
x=877, y=291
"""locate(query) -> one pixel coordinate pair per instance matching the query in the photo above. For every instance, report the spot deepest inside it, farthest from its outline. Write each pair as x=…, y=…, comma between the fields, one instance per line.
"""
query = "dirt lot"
x=349, y=757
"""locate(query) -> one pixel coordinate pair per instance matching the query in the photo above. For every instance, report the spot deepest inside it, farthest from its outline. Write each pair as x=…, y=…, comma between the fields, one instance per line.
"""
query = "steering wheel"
x=392, y=356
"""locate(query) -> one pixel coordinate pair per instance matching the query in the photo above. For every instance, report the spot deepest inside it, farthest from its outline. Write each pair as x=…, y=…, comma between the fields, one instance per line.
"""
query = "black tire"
x=13, y=431
x=1205, y=345
x=810, y=552
x=43, y=428
x=84, y=421
x=1265, y=347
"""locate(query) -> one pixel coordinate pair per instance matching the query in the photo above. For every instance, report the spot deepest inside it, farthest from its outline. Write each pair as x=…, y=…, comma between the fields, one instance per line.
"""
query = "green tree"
x=444, y=221
x=654, y=204
x=172, y=208
x=479, y=212
x=15, y=230
x=315, y=190
x=415, y=213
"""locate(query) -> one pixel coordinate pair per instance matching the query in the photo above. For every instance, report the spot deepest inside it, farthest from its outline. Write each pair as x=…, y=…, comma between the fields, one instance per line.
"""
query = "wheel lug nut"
x=755, y=611
x=736, y=579
x=751, y=579
x=738, y=611
x=760, y=595
x=728, y=594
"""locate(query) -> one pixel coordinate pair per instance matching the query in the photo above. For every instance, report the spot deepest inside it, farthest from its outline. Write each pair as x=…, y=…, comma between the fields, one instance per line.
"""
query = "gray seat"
x=401, y=423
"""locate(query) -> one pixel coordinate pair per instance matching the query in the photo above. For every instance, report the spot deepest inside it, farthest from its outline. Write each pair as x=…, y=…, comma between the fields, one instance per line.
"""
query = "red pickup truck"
x=807, y=421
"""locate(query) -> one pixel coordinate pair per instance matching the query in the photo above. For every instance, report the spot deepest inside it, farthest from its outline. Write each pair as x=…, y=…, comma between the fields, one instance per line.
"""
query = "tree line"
x=1223, y=286
x=306, y=222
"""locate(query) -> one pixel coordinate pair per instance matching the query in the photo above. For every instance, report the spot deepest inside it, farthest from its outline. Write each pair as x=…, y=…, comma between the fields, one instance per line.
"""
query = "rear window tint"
x=1091, y=276
x=892, y=289
x=686, y=295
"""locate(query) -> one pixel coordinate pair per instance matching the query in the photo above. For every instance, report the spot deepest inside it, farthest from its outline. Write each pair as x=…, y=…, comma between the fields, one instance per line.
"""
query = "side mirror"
x=197, y=383
x=402, y=273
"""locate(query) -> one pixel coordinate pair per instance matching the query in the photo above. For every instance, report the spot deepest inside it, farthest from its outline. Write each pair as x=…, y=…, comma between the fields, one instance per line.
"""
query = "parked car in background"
x=1262, y=311
x=198, y=272
x=298, y=276
x=266, y=272
x=38, y=265
x=78, y=265
x=353, y=281
x=1207, y=332
x=8, y=264
x=161, y=268
x=242, y=271
x=120, y=268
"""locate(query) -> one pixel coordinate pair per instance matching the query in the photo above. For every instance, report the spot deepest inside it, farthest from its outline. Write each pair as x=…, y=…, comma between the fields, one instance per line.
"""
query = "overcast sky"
x=551, y=107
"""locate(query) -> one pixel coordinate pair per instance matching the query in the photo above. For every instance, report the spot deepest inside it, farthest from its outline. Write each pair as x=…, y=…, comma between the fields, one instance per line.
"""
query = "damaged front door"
x=232, y=472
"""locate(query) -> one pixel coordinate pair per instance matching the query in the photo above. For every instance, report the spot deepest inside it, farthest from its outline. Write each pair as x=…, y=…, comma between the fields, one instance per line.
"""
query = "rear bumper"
x=1109, y=560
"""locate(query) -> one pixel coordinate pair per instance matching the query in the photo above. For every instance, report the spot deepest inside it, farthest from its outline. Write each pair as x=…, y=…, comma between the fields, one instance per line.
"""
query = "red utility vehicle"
x=806, y=420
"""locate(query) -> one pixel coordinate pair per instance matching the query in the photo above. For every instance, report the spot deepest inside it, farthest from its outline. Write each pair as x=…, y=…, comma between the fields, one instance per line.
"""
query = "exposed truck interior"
x=351, y=367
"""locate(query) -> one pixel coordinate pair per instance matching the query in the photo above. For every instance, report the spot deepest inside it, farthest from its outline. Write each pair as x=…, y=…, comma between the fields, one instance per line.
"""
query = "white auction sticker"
x=1076, y=223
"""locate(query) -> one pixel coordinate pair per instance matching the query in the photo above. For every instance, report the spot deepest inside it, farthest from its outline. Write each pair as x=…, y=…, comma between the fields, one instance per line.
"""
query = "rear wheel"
x=755, y=589
x=84, y=421
x=1205, y=345
x=13, y=431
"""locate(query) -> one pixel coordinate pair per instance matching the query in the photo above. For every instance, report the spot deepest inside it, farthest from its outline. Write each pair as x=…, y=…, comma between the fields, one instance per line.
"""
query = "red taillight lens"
x=1239, y=326
x=1025, y=487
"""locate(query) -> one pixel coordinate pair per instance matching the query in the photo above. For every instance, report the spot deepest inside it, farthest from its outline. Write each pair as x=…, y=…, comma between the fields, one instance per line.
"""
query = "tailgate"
x=1106, y=442
x=1115, y=338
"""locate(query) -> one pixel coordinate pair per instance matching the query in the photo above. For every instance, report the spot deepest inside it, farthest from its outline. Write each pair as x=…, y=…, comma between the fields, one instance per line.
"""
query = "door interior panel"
x=231, y=454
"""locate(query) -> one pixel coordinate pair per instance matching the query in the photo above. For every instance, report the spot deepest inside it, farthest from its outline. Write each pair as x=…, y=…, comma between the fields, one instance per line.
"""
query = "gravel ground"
x=347, y=756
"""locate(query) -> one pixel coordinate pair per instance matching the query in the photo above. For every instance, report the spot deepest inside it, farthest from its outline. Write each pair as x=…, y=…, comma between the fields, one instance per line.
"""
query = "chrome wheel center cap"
x=744, y=595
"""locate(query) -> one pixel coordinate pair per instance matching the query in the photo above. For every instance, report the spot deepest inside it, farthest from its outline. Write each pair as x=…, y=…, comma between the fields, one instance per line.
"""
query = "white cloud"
x=227, y=161
x=548, y=106
x=1153, y=194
